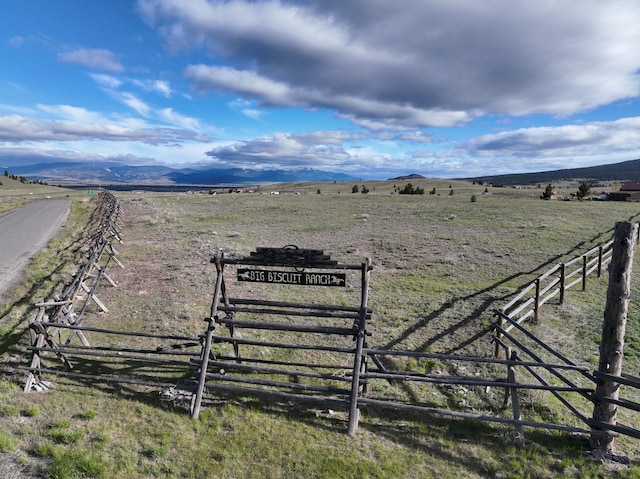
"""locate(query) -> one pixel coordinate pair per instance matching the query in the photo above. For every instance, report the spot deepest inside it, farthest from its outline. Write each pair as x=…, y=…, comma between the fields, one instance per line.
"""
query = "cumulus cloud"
x=96, y=59
x=595, y=138
x=429, y=63
x=19, y=129
x=283, y=150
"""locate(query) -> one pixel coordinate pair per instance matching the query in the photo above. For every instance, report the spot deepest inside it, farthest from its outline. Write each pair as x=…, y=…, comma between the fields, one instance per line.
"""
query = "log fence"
x=555, y=282
x=69, y=307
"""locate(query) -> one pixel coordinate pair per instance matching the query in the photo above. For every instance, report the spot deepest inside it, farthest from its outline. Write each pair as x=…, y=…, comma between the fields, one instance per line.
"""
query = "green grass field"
x=442, y=263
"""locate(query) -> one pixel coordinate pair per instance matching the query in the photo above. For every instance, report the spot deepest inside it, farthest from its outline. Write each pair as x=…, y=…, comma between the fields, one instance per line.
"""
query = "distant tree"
x=486, y=190
x=450, y=192
x=364, y=190
x=433, y=191
x=318, y=192
x=6, y=172
x=409, y=189
x=583, y=190
x=355, y=189
x=548, y=192
x=473, y=198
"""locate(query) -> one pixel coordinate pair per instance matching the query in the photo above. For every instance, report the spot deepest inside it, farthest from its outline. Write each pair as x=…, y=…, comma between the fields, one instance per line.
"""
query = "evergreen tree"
x=548, y=192
x=583, y=190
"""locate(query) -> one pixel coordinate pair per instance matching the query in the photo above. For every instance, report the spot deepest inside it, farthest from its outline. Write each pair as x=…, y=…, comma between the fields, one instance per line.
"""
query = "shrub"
x=32, y=411
x=70, y=463
x=7, y=443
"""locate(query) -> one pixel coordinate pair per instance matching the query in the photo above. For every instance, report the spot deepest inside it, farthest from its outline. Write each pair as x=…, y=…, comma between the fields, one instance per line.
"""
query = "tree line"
x=23, y=179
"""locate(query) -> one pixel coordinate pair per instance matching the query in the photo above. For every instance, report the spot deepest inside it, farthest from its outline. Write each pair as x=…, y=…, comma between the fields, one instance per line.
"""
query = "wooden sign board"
x=305, y=278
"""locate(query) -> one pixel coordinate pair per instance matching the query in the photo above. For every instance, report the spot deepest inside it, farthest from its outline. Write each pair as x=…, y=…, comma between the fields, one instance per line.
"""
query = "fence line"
x=554, y=282
x=69, y=307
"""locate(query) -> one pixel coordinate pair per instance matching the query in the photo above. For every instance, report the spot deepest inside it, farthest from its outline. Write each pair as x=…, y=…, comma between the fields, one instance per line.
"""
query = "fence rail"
x=68, y=308
x=554, y=282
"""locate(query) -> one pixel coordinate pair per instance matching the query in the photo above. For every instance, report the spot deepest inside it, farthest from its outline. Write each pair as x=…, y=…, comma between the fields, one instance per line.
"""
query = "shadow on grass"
x=488, y=302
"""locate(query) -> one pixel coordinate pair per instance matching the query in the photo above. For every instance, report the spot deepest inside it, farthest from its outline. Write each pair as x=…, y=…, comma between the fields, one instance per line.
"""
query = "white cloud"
x=590, y=139
x=20, y=129
x=106, y=81
x=157, y=86
x=96, y=59
x=428, y=63
x=247, y=83
x=321, y=149
x=133, y=102
x=16, y=42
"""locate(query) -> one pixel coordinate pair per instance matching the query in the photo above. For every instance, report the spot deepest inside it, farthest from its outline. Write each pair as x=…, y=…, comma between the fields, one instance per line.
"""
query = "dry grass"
x=441, y=264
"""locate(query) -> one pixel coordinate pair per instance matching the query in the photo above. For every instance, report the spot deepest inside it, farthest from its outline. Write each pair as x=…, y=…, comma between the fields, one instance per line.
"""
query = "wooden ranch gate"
x=332, y=336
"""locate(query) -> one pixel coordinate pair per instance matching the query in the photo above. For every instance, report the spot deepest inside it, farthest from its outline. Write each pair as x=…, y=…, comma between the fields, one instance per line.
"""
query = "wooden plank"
x=276, y=371
x=284, y=304
x=296, y=328
x=327, y=401
x=477, y=417
x=278, y=384
x=121, y=333
x=288, y=312
x=622, y=379
x=417, y=354
x=273, y=344
x=98, y=378
x=408, y=377
x=634, y=406
x=253, y=360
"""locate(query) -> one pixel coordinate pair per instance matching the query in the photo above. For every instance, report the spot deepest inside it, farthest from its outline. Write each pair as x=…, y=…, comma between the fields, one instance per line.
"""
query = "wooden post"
x=599, y=261
x=515, y=404
x=613, y=330
x=536, y=306
x=496, y=350
x=584, y=273
x=562, y=282
x=196, y=401
x=354, y=411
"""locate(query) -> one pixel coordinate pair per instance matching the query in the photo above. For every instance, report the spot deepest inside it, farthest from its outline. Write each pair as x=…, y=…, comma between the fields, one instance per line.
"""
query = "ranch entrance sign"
x=287, y=277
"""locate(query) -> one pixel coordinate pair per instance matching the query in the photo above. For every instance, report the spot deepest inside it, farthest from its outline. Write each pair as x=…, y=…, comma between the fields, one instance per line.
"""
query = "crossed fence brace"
x=68, y=308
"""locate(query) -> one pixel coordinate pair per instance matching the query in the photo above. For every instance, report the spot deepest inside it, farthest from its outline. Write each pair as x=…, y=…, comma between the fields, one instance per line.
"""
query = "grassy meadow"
x=441, y=263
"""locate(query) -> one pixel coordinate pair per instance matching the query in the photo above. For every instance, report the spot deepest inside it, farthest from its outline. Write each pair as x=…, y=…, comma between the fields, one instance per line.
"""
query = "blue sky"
x=373, y=88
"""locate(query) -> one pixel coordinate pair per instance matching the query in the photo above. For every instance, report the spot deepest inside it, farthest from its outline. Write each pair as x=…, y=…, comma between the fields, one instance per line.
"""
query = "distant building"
x=628, y=192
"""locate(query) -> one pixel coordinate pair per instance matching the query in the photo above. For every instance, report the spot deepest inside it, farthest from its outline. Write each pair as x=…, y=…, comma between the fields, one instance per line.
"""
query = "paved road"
x=25, y=231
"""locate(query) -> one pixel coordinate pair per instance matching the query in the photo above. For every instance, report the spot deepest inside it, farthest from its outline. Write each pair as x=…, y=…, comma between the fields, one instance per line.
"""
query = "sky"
x=372, y=88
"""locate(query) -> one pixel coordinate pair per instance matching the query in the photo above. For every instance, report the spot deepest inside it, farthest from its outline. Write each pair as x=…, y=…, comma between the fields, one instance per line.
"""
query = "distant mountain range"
x=624, y=171
x=111, y=173
x=117, y=173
